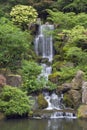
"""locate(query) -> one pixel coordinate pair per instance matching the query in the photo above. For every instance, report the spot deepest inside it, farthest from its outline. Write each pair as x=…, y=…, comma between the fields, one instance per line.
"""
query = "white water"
x=46, y=71
x=44, y=42
x=44, y=47
x=63, y=115
x=54, y=101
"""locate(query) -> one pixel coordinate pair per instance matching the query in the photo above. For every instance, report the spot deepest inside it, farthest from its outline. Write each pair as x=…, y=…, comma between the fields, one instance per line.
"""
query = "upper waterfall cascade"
x=44, y=42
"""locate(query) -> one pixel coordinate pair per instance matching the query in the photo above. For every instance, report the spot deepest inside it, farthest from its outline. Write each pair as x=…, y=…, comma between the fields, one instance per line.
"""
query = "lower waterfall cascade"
x=44, y=47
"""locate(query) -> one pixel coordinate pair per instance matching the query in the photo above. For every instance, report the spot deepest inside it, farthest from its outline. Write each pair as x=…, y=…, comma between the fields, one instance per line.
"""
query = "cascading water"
x=44, y=47
x=44, y=42
x=54, y=101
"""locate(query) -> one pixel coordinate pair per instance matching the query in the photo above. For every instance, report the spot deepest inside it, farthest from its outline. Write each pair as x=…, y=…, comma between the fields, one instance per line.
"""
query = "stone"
x=82, y=111
x=54, y=77
x=14, y=80
x=42, y=103
x=72, y=98
x=84, y=93
x=4, y=71
x=2, y=81
x=77, y=80
x=64, y=88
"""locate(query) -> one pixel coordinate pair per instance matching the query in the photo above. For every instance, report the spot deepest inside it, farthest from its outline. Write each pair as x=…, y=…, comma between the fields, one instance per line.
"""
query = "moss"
x=54, y=77
x=68, y=101
x=58, y=65
x=42, y=103
x=82, y=111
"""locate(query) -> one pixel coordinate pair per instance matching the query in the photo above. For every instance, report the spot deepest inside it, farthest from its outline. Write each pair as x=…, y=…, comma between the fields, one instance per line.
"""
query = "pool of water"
x=44, y=124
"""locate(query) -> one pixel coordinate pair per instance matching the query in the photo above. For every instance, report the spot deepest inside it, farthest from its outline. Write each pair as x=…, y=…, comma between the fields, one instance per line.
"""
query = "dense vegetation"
x=17, y=51
x=14, y=102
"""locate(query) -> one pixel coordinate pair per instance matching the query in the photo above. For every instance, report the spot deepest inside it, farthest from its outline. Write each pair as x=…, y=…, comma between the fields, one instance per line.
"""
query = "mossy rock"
x=82, y=111
x=54, y=77
x=72, y=99
x=68, y=101
x=42, y=103
x=5, y=71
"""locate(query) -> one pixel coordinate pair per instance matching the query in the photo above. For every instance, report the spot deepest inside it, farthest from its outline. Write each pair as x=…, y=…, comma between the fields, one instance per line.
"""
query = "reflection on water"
x=44, y=124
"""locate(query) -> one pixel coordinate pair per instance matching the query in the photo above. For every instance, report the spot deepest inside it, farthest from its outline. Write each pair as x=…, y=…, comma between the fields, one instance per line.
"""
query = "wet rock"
x=64, y=88
x=82, y=111
x=84, y=93
x=78, y=80
x=42, y=103
x=14, y=80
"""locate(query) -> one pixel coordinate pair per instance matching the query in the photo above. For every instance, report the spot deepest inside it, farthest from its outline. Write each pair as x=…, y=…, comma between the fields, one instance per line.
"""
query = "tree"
x=14, y=102
x=23, y=15
x=76, y=6
x=14, y=44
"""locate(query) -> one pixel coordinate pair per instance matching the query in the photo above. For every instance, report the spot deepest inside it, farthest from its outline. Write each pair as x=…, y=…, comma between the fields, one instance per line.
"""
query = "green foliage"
x=67, y=73
x=23, y=15
x=72, y=5
x=30, y=71
x=73, y=49
x=77, y=37
x=14, y=102
x=67, y=20
x=14, y=44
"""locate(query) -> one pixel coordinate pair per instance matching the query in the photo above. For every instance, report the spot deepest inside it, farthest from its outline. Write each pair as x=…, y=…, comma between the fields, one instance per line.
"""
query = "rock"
x=42, y=103
x=84, y=93
x=5, y=71
x=72, y=98
x=14, y=80
x=2, y=81
x=82, y=111
x=78, y=80
x=54, y=77
x=64, y=88
x=1, y=116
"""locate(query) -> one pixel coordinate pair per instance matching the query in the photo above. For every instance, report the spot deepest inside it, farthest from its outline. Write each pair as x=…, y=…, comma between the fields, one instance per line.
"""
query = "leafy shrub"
x=30, y=71
x=14, y=102
x=23, y=15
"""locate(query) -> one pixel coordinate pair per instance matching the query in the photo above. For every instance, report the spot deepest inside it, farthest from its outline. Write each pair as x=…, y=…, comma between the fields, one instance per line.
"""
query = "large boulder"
x=72, y=98
x=14, y=80
x=42, y=103
x=64, y=88
x=84, y=93
x=77, y=80
x=82, y=111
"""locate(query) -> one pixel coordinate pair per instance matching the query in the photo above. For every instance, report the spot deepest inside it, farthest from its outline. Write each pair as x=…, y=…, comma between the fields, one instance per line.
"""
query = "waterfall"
x=44, y=42
x=44, y=47
x=54, y=101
